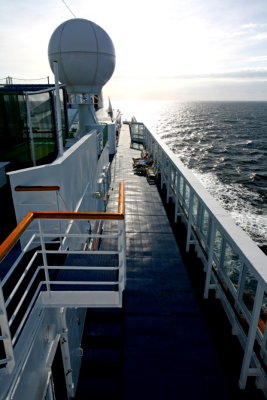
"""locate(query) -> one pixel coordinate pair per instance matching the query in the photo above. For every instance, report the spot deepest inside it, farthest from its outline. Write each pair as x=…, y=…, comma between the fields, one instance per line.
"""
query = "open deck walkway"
x=167, y=351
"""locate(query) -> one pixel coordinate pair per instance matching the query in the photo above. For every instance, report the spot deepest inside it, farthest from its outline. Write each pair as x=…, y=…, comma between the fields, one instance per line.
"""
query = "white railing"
x=234, y=265
x=82, y=266
x=137, y=132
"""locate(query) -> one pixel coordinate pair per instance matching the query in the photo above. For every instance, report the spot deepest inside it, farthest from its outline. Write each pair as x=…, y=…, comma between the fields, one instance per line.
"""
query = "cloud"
x=245, y=74
x=165, y=46
x=196, y=88
x=237, y=74
x=258, y=58
x=260, y=36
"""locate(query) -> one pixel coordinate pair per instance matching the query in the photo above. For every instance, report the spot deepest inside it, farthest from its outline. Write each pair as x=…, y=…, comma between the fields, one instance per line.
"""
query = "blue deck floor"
x=167, y=350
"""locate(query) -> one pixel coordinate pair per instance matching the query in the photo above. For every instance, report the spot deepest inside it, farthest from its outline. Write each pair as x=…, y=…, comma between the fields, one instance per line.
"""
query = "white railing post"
x=159, y=165
x=222, y=253
x=241, y=282
x=57, y=194
x=161, y=168
x=184, y=195
x=155, y=155
x=168, y=179
x=43, y=250
x=210, y=260
x=179, y=198
x=253, y=326
x=189, y=224
x=177, y=188
x=6, y=335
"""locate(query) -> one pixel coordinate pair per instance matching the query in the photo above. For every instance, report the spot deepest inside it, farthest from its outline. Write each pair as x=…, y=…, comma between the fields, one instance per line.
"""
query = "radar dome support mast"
x=85, y=56
x=58, y=112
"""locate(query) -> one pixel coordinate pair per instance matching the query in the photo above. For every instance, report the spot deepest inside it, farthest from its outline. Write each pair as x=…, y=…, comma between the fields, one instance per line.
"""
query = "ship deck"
x=160, y=345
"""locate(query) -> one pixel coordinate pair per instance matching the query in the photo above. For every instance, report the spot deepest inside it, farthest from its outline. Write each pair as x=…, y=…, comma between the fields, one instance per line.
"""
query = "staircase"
x=102, y=344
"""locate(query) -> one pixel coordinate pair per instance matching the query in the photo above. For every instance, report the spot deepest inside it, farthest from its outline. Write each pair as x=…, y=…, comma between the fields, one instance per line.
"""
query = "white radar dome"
x=85, y=55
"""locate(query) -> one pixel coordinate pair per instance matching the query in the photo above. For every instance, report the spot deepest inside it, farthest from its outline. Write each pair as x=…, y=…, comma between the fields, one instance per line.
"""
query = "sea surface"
x=225, y=146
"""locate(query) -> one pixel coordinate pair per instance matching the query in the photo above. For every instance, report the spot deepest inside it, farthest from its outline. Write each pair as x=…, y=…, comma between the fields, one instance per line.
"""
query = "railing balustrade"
x=234, y=265
x=82, y=267
x=137, y=133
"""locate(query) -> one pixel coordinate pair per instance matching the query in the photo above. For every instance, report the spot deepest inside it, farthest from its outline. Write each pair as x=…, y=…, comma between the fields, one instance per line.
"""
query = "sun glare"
x=177, y=48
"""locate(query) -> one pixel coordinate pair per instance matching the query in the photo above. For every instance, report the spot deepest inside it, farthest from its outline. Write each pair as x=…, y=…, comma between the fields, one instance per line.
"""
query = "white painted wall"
x=76, y=172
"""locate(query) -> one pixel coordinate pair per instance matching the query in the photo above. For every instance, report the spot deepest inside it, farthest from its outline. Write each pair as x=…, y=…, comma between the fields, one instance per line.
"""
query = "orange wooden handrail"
x=121, y=205
x=37, y=188
x=76, y=215
x=14, y=236
x=12, y=239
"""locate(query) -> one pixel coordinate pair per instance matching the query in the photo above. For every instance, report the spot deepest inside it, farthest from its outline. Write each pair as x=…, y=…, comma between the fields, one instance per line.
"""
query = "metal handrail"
x=14, y=236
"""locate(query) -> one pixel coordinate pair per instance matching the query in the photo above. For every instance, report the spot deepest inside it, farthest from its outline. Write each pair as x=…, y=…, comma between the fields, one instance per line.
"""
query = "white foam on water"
x=234, y=197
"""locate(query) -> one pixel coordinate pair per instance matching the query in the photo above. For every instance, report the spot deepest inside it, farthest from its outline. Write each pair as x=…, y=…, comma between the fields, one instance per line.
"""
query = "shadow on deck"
x=169, y=343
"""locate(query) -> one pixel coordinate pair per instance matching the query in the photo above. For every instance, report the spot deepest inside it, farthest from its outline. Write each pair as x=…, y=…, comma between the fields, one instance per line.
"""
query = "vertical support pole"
x=169, y=179
x=65, y=351
x=251, y=336
x=156, y=145
x=44, y=258
x=222, y=253
x=184, y=195
x=59, y=222
x=58, y=111
x=263, y=344
x=210, y=259
x=29, y=120
x=177, y=188
x=189, y=223
x=122, y=254
x=57, y=199
x=241, y=283
x=121, y=242
x=161, y=167
x=155, y=155
x=6, y=335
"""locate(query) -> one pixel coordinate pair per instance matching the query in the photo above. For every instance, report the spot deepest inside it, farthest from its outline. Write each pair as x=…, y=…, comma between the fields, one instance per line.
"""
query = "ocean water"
x=224, y=144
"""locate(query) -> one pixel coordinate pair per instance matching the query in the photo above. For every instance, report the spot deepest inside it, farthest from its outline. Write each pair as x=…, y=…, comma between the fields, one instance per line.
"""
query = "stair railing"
x=47, y=278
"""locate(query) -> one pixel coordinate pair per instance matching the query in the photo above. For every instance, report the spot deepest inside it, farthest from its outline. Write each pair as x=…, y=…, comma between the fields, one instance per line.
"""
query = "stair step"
x=99, y=389
x=70, y=297
x=114, y=315
x=101, y=355
x=103, y=330
x=102, y=342
x=100, y=369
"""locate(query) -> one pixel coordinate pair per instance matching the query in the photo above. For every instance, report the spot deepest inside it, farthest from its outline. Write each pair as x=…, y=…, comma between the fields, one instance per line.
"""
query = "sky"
x=180, y=50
